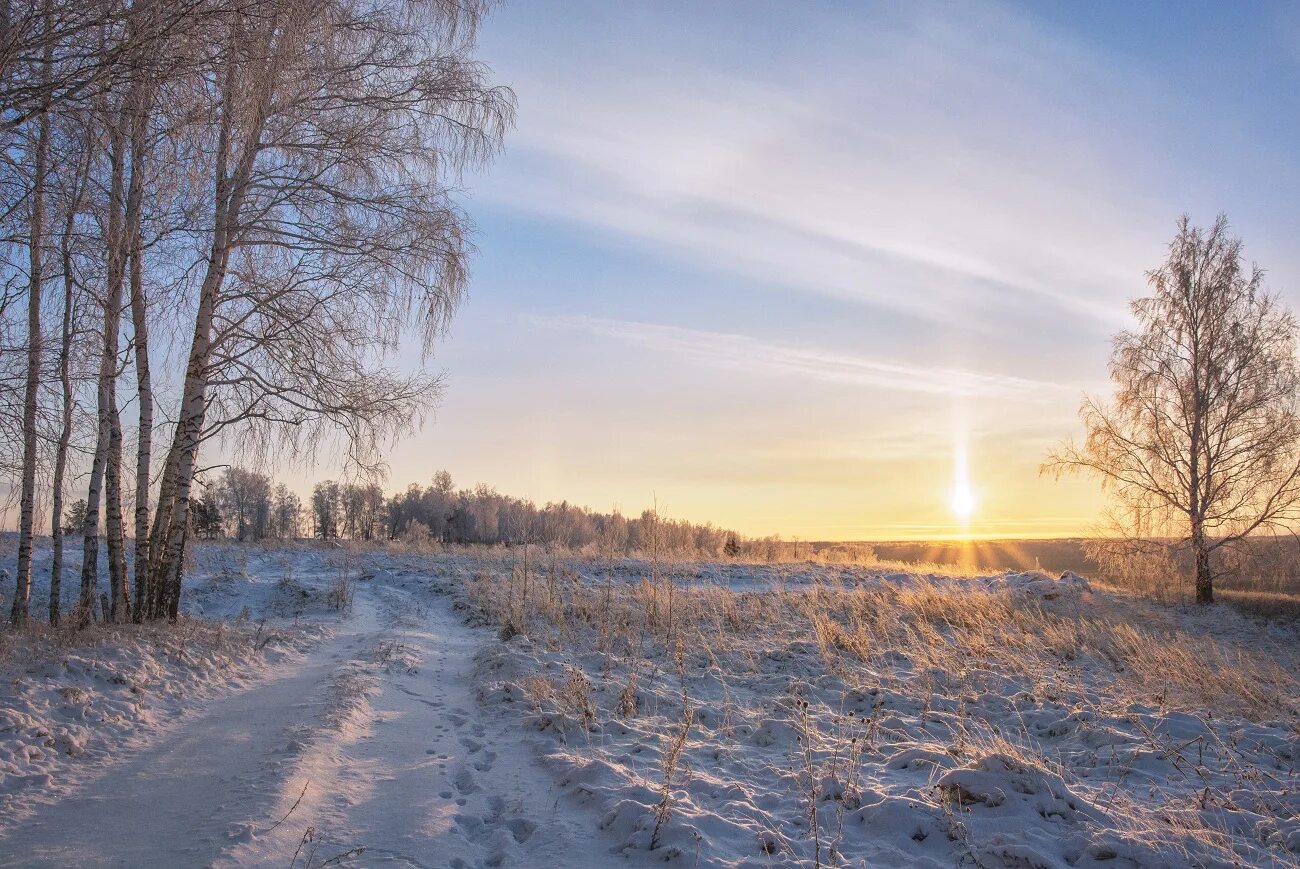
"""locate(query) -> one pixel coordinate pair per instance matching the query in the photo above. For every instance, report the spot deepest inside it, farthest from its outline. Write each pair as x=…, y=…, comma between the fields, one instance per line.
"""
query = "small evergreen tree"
x=74, y=518
x=207, y=517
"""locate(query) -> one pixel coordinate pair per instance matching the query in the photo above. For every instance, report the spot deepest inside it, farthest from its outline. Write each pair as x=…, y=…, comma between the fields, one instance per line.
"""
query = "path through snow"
x=380, y=724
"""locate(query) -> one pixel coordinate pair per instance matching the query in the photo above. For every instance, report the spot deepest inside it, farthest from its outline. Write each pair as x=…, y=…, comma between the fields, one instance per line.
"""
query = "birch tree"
x=1201, y=444
x=70, y=207
x=279, y=175
x=35, y=339
x=339, y=126
x=105, y=475
x=59, y=61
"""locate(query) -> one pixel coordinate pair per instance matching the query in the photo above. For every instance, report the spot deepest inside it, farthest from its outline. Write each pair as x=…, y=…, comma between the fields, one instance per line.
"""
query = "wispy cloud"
x=745, y=353
x=918, y=163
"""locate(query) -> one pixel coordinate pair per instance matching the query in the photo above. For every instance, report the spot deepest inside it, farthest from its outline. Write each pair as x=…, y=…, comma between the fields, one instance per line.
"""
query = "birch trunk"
x=229, y=191
x=65, y=430
x=140, y=104
x=120, y=603
x=165, y=576
x=114, y=532
x=144, y=444
x=105, y=475
x=90, y=526
x=27, y=509
x=155, y=586
x=1204, y=576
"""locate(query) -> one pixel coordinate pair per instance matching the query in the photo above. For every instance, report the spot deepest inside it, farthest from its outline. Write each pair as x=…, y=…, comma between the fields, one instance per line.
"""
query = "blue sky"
x=777, y=264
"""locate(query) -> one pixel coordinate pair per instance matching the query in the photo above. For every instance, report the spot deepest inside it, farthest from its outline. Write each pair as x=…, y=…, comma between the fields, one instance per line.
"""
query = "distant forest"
x=247, y=505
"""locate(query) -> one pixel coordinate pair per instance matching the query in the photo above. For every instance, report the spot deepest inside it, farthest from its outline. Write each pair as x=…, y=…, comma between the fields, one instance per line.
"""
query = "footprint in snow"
x=468, y=823
x=464, y=781
x=521, y=829
x=496, y=806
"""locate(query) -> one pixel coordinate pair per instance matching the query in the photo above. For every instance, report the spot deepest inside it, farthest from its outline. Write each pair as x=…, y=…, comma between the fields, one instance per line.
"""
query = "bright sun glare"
x=962, y=501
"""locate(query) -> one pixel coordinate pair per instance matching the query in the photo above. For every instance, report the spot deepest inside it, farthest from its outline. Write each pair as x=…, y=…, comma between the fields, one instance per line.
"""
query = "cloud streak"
x=748, y=354
x=911, y=165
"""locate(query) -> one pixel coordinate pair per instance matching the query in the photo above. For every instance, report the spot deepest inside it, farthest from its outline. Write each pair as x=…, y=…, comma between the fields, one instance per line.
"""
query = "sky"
x=824, y=269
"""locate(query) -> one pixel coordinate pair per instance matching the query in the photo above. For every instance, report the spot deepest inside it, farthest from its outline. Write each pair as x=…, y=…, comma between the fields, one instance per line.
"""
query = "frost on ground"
x=74, y=698
x=840, y=716
x=359, y=706
x=351, y=738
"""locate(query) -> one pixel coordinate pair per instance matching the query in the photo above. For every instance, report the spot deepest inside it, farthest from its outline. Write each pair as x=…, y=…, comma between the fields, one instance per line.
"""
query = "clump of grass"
x=309, y=846
x=668, y=766
x=1274, y=605
x=811, y=775
x=340, y=595
x=627, y=698
x=575, y=698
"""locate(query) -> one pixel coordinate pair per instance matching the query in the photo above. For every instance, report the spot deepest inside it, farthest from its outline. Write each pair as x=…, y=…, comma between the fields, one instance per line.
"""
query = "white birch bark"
x=27, y=502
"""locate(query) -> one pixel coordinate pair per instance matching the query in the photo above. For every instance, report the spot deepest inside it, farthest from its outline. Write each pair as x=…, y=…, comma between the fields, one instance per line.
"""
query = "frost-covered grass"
x=849, y=716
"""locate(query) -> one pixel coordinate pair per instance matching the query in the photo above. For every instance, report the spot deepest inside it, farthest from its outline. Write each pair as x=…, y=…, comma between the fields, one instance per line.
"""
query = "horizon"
x=594, y=434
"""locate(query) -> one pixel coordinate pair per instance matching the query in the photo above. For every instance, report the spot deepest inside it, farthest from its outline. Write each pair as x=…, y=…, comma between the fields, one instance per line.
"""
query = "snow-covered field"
x=848, y=716
x=380, y=707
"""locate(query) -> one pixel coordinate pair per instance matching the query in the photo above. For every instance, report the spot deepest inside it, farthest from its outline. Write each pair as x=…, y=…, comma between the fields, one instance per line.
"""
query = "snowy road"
x=377, y=738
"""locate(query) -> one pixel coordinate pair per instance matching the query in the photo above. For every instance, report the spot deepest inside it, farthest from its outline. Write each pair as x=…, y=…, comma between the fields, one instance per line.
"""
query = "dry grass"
x=39, y=641
x=935, y=626
x=1273, y=605
x=939, y=640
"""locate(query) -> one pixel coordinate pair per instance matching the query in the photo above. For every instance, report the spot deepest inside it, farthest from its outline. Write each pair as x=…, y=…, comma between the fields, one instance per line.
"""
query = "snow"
x=838, y=715
x=992, y=720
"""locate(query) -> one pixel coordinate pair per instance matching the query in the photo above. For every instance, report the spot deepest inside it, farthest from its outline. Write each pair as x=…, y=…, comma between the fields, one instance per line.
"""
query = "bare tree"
x=281, y=177
x=325, y=509
x=71, y=205
x=35, y=279
x=89, y=44
x=106, y=471
x=245, y=500
x=331, y=225
x=1201, y=445
x=286, y=513
x=146, y=71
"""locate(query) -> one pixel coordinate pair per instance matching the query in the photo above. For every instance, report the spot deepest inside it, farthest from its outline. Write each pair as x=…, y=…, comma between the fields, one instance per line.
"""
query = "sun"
x=962, y=501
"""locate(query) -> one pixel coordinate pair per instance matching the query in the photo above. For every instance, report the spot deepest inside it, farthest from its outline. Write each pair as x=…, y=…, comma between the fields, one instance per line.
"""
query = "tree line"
x=218, y=221
x=248, y=505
